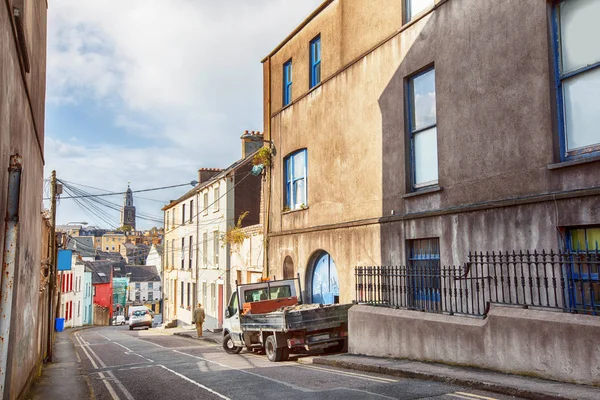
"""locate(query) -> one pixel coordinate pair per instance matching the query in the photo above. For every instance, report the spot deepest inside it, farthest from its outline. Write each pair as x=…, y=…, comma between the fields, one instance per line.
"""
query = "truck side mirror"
x=227, y=315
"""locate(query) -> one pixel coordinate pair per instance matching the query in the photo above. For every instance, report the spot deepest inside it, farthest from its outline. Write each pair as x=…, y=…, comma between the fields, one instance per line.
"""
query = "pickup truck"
x=271, y=316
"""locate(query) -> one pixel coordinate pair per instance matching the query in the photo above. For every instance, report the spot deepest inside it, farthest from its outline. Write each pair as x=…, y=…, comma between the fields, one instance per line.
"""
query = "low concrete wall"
x=551, y=345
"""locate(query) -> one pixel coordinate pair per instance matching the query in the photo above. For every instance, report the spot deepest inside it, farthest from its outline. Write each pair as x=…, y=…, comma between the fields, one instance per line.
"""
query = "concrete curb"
x=192, y=336
x=469, y=382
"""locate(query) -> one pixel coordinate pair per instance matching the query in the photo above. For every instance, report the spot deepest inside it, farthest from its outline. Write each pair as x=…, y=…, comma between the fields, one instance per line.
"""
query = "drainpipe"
x=266, y=271
x=52, y=282
x=9, y=261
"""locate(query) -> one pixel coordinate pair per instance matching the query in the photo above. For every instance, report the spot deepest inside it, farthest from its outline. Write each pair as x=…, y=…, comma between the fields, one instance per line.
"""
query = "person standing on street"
x=199, y=318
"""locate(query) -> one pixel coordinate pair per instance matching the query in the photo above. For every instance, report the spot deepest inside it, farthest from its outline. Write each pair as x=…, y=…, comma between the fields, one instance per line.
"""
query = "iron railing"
x=567, y=281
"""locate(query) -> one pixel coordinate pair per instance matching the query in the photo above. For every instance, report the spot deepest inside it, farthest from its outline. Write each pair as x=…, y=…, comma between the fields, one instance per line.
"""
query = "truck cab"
x=256, y=298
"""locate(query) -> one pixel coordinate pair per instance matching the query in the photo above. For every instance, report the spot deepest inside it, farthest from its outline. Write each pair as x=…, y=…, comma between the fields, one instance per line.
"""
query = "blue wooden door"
x=325, y=286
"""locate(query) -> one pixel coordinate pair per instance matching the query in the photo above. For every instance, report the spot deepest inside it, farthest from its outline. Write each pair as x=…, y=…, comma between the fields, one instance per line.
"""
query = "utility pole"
x=53, y=267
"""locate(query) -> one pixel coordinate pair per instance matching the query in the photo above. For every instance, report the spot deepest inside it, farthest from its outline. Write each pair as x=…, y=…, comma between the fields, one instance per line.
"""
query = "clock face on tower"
x=129, y=216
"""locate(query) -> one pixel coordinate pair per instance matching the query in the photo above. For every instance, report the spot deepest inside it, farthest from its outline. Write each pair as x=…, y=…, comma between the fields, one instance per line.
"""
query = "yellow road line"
x=348, y=374
x=476, y=396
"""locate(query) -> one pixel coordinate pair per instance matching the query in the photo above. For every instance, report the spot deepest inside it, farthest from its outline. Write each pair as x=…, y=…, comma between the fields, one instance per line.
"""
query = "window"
x=205, y=248
x=295, y=180
x=150, y=285
x=578, y=76
x=415, y=7
x=422, y=124
x=188, y=294
x=287, y=83
x=167, y=223
x=216, y=201
x=182, y=287
x=183, y=214
x=137, y=296
x=150, y=296
x=204, y=295
x=190, y=253
x=315, y=61
x=137, y=286
x=191, y=211
x=166, y=252
x=206, y=203
x=583, y=272
x=216, y=249
x=213, y=298
x=173, y=253
x=182, y=252
x=424, y=266
x=194, y=295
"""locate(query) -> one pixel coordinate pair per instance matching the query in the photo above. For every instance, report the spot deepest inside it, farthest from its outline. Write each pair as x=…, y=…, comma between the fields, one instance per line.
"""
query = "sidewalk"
x=63, y=378
x=207, y=336
x=516, y=385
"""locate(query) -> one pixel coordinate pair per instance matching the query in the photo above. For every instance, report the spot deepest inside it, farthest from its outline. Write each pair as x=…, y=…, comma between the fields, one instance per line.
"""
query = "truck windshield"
x=276, y=292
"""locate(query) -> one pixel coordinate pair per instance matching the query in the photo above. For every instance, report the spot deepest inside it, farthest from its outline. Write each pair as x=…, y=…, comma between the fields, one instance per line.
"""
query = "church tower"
x=128, y=210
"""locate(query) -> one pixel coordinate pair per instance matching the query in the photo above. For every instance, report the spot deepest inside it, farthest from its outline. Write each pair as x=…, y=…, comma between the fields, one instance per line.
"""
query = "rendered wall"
x=551, y=345
x=22, y=99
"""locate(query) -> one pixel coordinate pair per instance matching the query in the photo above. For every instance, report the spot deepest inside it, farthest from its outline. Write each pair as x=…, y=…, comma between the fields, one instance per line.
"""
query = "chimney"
x=249, y=146
x=204, y=174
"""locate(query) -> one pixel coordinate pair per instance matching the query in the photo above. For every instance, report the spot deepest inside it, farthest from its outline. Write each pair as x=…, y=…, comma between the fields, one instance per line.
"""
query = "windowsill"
x=420, y=192
x=294, y=210
x=577, y=161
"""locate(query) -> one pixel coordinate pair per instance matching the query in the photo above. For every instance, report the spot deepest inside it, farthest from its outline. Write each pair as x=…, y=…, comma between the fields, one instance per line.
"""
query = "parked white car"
x=140, y=318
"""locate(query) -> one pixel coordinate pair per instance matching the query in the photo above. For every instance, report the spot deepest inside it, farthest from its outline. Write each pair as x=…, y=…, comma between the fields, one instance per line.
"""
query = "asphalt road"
x=153, y=364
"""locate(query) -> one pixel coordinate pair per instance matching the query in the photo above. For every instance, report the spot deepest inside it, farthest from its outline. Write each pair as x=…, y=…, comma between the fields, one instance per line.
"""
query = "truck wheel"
x=274, y=354
x=229, y=347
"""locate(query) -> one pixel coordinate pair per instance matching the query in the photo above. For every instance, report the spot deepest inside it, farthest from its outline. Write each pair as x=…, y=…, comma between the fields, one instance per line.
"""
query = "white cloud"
x=191, y=67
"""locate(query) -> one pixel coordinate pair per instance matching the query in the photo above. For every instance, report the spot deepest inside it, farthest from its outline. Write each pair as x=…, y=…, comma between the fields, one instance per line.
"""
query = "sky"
x=146, y=92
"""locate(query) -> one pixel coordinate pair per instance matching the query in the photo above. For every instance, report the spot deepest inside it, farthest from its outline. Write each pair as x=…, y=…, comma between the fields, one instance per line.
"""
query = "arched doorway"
x=325, y=284
x=288, y=268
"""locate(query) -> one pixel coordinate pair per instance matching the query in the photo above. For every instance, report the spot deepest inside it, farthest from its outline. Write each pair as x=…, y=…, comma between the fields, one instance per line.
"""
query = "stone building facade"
x=436, y=131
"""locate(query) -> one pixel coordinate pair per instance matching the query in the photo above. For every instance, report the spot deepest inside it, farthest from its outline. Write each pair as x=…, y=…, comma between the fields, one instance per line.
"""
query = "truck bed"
x=309, y=317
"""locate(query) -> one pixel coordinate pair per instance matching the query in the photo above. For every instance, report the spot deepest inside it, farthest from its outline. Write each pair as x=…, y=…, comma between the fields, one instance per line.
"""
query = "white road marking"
x=99, y=334
x=195, y=383
x=112, y=392
x=85, y=352
x=77, y=355
x=474, y=396
x=290, y=385
x=121, y=386
x=119, y=344
x=109, y=373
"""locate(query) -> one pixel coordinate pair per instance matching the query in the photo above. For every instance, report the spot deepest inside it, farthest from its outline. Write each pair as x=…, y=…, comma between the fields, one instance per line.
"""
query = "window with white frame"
x=216, y=201
x=216, y=249
x=182, y=252
x=192, y=211
x=205, y=203
x=578, y=80
x=168, y=221
x=205, y=248
x=190, y=253
x=422, y=129
x=183, y=221
x=415, y=7
x=295, y=180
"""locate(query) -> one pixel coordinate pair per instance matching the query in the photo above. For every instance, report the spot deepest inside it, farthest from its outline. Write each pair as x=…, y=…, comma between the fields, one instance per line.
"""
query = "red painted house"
x=102, y=290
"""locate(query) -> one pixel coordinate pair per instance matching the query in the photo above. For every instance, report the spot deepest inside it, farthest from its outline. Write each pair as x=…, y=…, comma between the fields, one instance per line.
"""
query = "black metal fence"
x=567, y=281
